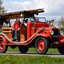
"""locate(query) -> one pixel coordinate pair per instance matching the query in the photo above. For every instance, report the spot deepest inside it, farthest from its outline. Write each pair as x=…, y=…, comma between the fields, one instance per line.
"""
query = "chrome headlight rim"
x=52, y=32
x=61, y=32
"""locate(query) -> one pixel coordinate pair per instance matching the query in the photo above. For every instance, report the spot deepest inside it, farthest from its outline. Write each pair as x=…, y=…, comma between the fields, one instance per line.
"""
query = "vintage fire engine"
x=38, y=33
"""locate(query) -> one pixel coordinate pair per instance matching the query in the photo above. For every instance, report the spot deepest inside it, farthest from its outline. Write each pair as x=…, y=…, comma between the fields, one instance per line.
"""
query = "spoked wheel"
x=23, y=49
x=41, y=45
x=3, y=47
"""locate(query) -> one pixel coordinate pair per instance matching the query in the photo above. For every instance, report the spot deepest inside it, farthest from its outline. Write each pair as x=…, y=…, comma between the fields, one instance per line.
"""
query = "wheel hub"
x=41, y=45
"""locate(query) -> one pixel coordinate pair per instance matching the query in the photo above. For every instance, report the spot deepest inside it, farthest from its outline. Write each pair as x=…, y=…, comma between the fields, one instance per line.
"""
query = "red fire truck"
x=38, y=33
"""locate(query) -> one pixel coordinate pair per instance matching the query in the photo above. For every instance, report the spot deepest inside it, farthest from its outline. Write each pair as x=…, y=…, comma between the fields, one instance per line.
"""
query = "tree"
x=2, y=10
x=61, y=23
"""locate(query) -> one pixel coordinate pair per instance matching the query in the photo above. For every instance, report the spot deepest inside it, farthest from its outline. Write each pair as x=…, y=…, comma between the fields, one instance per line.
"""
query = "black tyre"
x=61, y=49
x=3, y=47
x=41, y=45
x=23, y=49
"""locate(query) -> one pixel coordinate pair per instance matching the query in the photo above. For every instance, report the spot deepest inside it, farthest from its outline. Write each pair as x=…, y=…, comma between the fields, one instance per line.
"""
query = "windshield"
x=37, y=19
x=40, y=19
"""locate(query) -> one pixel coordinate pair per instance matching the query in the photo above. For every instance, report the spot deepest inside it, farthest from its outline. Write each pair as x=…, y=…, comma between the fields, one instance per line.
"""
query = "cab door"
x=30, y=29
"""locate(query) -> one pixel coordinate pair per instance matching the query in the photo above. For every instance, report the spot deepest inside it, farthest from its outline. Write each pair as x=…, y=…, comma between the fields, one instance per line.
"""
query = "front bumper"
x=61, y=39
x=58, y=39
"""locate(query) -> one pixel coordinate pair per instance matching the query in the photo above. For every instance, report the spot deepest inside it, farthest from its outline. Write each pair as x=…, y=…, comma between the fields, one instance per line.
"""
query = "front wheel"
x=61, y=49
x=41, y=45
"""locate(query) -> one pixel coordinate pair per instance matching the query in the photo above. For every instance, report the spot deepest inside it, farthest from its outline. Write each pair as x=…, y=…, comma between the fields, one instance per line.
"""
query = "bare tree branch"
x=2, y=10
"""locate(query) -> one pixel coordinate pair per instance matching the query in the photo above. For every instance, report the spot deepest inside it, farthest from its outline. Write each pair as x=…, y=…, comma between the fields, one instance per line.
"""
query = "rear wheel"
x=23, y=49
x=3, y=47
x=61, y=49
x=41, y=45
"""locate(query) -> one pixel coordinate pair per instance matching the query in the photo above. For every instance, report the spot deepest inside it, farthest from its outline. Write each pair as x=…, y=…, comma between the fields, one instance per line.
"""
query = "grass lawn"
x=13, y=59
x=18, y=59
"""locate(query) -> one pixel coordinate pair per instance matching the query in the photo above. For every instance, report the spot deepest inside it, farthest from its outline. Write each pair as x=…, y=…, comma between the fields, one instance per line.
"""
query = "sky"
x=54, y=9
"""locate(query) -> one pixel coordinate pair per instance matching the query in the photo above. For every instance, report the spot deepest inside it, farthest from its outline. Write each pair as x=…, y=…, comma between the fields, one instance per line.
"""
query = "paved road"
x=32, y=54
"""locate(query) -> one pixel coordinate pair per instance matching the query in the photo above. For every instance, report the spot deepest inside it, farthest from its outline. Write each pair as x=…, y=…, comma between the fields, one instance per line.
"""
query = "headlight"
x=61, y=32
x=52, y=32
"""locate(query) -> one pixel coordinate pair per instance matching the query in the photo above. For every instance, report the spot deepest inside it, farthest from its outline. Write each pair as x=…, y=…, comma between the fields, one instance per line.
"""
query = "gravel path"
x=32, y=54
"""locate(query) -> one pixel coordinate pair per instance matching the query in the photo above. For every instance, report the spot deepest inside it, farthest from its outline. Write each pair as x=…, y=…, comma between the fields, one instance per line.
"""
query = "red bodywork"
x=31, y=29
